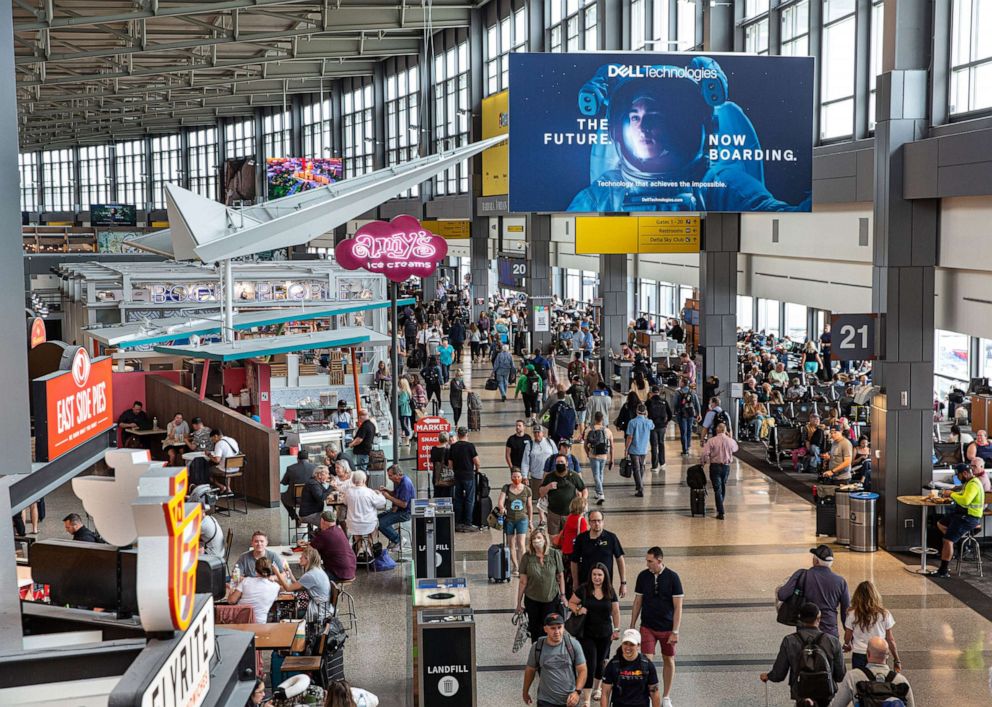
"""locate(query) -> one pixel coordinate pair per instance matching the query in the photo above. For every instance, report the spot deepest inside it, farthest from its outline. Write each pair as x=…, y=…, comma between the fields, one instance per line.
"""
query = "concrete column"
x=479, y=249
x=904, y=264
x=538, y=285
x=718, y=301
x=614, y=283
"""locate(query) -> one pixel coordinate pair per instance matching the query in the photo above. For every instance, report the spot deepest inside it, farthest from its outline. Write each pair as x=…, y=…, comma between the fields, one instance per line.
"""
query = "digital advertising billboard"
x=113, y=215
x=286, y=176
x=618, y=133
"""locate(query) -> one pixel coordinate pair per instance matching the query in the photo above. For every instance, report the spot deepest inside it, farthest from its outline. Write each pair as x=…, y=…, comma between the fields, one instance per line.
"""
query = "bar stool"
x=363, y=544
x=339, y=591
x=970, y=541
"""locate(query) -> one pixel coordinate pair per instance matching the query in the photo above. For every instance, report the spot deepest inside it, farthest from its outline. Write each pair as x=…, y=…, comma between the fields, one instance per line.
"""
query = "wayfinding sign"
x=852, y=337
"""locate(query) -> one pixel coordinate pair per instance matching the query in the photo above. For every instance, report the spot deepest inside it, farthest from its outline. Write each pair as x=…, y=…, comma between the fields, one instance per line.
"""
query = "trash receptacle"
x=826, y=510
x=842, y=501
x=864, y=526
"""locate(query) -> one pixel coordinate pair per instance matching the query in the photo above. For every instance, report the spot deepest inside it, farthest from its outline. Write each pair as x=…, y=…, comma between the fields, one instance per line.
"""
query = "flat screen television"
x=113, y=215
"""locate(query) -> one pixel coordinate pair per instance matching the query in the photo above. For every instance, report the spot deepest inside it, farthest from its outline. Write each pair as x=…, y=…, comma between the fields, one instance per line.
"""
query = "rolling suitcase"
x=480, y=513
x=697, y=502
x=474, y=420
x=499, y=562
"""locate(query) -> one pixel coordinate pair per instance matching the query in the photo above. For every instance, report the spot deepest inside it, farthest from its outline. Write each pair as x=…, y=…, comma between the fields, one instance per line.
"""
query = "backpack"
x=685, y=405
x=539, y=367
x=718, y=417
x=695, y=477
x=533, y=384
x=877, y=691
x=569, y=648
x=430, y=375
x=579, y=396
x=482, y=487
x=564, y=420
x=597, y=440
x=814, y=680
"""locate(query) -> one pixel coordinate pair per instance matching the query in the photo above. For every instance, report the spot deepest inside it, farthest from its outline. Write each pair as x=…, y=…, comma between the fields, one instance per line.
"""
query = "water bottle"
x=154, y=423
x=236, y=576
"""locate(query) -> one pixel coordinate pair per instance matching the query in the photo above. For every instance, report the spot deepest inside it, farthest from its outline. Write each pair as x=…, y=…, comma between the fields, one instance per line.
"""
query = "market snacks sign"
x=398, y=249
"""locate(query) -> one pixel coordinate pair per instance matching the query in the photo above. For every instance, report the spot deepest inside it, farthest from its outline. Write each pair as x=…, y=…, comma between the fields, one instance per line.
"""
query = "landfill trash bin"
x=826, y=509
x=864, y=522
x=842, y=500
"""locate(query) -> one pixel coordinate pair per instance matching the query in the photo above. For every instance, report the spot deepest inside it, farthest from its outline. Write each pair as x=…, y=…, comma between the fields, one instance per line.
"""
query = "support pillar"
x=903, y=271
x=718, y=302
x=614, y=283
x=479, y=249
x=538, y=285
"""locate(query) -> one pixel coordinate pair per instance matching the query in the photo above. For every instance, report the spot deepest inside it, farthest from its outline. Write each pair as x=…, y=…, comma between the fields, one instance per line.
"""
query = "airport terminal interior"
x=712, y=309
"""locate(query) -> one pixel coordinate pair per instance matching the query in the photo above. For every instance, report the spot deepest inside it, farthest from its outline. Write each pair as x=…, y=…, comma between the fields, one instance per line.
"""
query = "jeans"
x=445, y=372
x=502, y=380
x=658, y=446
x=637, y=466
x=406, y=424
x=813, y=458
x=685, y=432
x=597, y=466
x=362, y=461
x=756, y=426
x=719, y=473
x=389, y=519
x=464, y=500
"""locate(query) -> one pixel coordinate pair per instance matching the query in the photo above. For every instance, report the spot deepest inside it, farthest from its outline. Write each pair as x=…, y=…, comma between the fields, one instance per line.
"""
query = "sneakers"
x=938, y=574
x=392, y=545
x=600, y=500
x=639, y=494
x=719, y=516
x=666, y=702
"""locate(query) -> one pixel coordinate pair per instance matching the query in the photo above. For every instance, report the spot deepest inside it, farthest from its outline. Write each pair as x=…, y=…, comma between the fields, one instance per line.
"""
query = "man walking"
x=686, y=414
x=559, y=661
x=660, y=413
x=815, y=648
x=658, y=599
x=875, y=679
x=597, y=546
x=560, y=488
x=821, y=586
x=637, y=440
x=540, y=450
x=516, y=446
x=719, y=452
x=464, y=462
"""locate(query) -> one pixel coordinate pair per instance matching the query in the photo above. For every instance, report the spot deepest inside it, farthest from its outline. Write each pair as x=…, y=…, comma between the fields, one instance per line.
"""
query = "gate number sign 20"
x=853, y=337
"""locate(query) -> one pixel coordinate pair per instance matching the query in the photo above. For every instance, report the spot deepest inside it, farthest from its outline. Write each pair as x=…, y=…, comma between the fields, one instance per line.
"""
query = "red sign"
x=71, y=407
x=428, y=430
x=397, y=249
x=36, y=332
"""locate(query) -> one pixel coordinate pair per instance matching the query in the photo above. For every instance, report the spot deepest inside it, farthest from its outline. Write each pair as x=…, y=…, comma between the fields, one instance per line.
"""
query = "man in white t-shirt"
x=224, y=448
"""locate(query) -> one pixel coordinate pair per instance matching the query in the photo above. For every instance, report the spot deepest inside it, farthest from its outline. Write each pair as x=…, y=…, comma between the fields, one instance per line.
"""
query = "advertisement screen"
x=286, y=176
x=622, y=133
x=113, y=215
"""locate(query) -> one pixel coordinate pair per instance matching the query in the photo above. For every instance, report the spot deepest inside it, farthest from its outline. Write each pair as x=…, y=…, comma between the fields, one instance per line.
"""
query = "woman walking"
x=515, y=503
x=597, y=601
x=404, y=401
x=867, y=619
x=542, y=582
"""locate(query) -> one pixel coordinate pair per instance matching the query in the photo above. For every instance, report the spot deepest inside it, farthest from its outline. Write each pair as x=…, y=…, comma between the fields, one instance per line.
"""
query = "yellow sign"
x=514, y=229
x=160, y=224
x=496, y=160
x=449, y=230
x=641, y=234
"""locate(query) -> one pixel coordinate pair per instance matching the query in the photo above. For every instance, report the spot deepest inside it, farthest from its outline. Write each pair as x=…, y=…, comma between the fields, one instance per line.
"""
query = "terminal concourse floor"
x=729, y=569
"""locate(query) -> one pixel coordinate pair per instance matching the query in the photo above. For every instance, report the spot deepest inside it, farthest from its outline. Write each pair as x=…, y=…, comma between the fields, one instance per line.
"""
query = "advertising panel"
x=113, y=215
x=640, y=234
x=512, y=272
x=71, y=407
x=496, y=160
x=285, y=176
x=622, y=133
x=428, y=431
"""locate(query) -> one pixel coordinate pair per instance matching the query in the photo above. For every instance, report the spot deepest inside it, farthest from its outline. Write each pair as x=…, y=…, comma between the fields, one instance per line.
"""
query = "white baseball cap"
x=631, y=635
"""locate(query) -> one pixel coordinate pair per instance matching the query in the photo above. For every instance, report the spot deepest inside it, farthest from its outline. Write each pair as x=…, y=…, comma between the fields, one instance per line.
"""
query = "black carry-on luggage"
x=697, y=502
x=480, y=513
x=695, y=479
x=499, y=560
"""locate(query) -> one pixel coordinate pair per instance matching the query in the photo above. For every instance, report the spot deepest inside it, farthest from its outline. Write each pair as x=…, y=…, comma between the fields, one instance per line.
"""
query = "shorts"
x=516, y=527
x=649, y=637
x=580, y=417
x=960, y=526
x=811, y=367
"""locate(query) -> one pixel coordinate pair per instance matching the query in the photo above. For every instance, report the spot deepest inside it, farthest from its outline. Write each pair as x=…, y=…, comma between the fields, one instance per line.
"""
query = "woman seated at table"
x=175, y=439
x=258, y=592
x=313, y=588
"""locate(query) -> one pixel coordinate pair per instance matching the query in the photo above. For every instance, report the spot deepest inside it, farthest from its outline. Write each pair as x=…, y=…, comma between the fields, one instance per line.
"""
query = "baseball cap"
x=631, y=635
x=329, y=515
x=962, y=467
x=823, y=552
x=836, y=428
x=566, y=442
x=554, y=620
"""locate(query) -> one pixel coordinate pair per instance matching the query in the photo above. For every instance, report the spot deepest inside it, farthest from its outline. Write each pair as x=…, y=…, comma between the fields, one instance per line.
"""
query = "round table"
x=923, y=502
x=190, y=456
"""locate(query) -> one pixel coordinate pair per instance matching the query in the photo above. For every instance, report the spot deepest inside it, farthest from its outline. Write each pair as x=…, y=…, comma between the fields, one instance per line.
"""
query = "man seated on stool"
x=314, y=495
x=401, y=497
x=969, y=507
x=362, y=503
x=335, y=551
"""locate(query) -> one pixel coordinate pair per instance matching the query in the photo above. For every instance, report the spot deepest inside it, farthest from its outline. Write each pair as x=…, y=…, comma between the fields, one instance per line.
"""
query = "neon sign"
x=397, y=249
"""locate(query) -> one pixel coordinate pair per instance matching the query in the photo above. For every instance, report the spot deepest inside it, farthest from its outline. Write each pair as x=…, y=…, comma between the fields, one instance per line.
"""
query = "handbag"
x=522, y=635
x=491, y=383
x=575, y=623
x=444, y=476
x=626, y=468
x=494, y=520
x=377, y=460
x=788, y=610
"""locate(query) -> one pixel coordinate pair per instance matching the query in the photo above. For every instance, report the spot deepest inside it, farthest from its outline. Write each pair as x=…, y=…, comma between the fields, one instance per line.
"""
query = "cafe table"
x=286, y=635
x=924, y=502
x=190, y=456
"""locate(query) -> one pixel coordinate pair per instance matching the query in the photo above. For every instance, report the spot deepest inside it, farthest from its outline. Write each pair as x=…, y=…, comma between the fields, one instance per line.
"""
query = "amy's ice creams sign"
x=398, y=249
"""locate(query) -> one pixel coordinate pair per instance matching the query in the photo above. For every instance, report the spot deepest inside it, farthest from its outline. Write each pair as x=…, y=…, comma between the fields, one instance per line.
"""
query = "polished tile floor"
x=729, y=569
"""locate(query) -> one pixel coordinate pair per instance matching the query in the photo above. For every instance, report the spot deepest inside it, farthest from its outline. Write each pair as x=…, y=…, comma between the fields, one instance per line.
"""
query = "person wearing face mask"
x=560, y=488
x=542, y=582
x=687, y=414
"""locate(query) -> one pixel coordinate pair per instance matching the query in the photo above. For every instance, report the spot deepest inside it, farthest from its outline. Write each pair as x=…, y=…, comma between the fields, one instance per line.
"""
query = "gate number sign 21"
x=853, y=337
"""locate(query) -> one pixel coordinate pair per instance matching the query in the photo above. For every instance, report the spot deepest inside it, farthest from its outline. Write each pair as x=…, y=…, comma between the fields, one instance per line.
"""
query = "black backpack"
x=579, y=396
x=430, y=375
x=482, y=488
x=686, y=407
x=533, y=383
x=877, y=691
x=718, y=417
x=617, y=692
x=695, y=477
x=815, y=679
x=597, y=440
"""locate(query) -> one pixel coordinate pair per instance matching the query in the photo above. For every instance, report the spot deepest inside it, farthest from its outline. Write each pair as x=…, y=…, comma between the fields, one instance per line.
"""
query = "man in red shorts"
x=658, y=601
